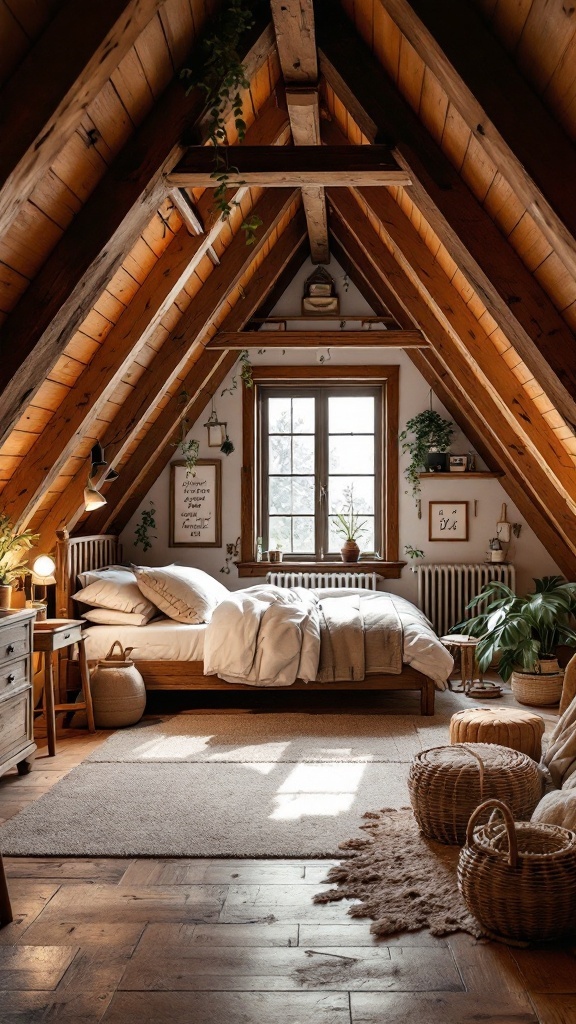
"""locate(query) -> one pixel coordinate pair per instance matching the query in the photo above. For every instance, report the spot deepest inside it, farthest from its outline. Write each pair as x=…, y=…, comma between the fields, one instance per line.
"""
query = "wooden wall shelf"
x=476, y=474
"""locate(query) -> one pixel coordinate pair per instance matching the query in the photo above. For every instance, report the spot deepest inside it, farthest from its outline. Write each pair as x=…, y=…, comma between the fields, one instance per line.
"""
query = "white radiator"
x=445, y=590
x=331, y=580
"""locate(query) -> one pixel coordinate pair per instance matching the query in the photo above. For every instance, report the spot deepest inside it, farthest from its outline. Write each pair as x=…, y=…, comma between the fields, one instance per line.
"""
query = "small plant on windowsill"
x=349, y=526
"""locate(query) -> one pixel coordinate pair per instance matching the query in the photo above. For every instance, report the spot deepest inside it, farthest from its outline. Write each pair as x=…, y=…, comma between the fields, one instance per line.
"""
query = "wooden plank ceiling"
x=119, y=284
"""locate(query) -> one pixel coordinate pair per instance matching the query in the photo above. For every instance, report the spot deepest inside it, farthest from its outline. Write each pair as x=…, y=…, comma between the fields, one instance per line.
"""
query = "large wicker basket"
x=537, y=689
x=518, y=879
x=447, y=783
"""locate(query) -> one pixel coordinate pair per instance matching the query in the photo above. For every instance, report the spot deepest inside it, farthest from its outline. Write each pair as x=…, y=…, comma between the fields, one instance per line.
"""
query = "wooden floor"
x=237, y=942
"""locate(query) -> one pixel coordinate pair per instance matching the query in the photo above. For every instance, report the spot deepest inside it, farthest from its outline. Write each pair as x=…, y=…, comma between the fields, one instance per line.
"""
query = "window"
x=313, y=438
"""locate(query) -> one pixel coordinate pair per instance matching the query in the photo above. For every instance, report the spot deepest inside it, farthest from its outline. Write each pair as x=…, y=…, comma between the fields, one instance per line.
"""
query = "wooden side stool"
x=54, y=635
x=466, y=646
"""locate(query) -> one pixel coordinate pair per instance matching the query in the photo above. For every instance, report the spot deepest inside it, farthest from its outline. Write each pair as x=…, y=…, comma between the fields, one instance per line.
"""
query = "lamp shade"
x=97, y=455
x=43, y=567
x=92, y=498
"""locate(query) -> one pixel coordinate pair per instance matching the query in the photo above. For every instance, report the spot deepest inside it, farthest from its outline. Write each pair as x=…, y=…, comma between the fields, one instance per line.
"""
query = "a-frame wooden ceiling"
x=121, y=303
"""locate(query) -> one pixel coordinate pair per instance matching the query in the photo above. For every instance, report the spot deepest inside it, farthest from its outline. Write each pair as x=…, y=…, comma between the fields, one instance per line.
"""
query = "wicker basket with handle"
x=447, y=783
x=118, y=690
x=518, y=879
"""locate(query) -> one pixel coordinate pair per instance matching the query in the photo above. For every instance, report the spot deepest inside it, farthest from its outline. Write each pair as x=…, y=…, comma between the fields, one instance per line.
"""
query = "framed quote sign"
x=196, y=505
x=448, y=520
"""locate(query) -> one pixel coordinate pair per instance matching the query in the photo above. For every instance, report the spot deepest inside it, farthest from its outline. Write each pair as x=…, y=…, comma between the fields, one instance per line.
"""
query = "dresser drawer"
x=13, y=676
x=15, y=723
x=14, y=641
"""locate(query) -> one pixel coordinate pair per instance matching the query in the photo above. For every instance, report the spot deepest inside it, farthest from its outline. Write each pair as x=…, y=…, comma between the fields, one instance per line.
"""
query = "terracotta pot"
x=5, y=595
x=350, y=552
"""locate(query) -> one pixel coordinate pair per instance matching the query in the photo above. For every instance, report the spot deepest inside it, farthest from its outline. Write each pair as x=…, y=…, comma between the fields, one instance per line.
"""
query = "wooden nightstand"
x=54, y=635
x=17, y=745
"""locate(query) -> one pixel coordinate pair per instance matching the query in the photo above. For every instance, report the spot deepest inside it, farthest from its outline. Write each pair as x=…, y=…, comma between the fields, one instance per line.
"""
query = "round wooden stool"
x=466, y=647
x=510, y=727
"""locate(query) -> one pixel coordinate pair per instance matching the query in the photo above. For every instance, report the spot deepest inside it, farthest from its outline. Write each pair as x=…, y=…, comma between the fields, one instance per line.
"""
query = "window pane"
x=291, y=495
x=365, y=542
x=303, y=454
x=303, y=495
x=279, y=533
x=351, y=414
x=303, y=534
x=351, y=455
x=303, y=415
x=280, y=455
x=279, y=415
x=362, y=493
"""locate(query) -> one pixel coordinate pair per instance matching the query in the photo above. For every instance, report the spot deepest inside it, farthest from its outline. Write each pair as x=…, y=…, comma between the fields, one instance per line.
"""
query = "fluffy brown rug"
x=404, y=881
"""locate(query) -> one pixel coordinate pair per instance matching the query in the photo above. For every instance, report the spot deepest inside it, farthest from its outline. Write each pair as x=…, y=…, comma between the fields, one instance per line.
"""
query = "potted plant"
x=430, y=433
x=349, y=526
x=525, y=632
x=12, y=547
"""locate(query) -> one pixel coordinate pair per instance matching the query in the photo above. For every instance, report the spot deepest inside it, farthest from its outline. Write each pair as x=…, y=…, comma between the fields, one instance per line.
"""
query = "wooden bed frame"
x=80, y=554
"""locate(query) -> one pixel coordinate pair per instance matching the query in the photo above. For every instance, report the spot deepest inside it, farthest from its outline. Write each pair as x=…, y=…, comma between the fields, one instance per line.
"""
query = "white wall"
x=527, y=552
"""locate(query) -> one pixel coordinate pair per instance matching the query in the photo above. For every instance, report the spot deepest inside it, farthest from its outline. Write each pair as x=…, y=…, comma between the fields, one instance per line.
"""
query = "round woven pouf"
x=510, y=727
x=447, y=783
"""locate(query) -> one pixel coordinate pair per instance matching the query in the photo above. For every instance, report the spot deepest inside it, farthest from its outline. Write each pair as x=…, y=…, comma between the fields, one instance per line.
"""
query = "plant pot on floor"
x=539, y=689
x=350, y=552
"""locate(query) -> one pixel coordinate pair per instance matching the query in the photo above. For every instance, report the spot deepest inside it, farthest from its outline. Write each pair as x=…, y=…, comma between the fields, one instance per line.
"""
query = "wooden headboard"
x=79, y=554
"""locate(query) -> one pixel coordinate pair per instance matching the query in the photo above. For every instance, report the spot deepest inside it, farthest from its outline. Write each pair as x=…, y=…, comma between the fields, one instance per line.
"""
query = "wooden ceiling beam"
x=517, y=460
x=375, y=290
x=296, y=40
x=77, y=412
x=304, y=114
x=312, y=339
x=505, y=115
x=43, y=101
x=175, y=352
x=158, y=446
x=290, y=167
x=511, y=293
x=96, y=242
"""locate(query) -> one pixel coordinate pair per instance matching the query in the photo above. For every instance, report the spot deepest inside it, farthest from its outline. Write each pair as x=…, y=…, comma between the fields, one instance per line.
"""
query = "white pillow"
x=93, y=575
x=181, y=592
x=116, y=590
x=109, y=617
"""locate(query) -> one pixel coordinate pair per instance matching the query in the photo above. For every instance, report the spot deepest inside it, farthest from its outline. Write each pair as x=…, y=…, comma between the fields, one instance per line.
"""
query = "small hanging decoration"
x=227, y=447
x=217, y=433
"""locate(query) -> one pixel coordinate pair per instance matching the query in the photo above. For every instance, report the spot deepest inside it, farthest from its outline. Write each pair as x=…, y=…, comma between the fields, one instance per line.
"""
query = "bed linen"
x=167, y=640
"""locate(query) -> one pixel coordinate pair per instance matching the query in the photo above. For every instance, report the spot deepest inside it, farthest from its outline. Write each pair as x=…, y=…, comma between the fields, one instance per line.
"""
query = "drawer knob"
x=10, y=649
x=67, y=636
x=11, y=678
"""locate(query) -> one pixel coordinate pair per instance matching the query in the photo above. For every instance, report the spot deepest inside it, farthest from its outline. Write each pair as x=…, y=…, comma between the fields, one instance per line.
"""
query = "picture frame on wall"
x=196, y=505
x=447, y=520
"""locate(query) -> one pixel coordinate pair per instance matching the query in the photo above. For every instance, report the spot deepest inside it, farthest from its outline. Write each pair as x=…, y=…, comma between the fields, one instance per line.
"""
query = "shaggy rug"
x=404, y=881
x=242, y=785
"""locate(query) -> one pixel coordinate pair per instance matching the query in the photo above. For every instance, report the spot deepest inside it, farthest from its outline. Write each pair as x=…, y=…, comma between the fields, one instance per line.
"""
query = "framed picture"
x=458, y=463
x=196, y=505
x=448, y=520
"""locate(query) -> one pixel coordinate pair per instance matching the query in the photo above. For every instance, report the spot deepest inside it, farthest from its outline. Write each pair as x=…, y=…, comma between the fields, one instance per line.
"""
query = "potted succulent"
x=430, y=434
x=349, y=526
x=12, y=547
x=525, y=632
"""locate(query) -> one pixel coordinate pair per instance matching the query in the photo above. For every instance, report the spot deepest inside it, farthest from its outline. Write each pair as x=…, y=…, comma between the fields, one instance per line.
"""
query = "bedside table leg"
x=49, y=703
x=85, y=677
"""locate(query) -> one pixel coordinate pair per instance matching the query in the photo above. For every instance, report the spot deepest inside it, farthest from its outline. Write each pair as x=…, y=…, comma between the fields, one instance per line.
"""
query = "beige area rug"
x=404, y=881
x=246, y=785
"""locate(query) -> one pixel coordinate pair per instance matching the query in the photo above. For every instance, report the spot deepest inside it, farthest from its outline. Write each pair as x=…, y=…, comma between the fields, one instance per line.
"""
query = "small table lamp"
x=42, y=576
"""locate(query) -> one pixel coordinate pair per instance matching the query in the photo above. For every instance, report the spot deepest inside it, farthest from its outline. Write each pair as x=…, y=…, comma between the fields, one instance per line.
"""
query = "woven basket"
x=537, y=689
x=447, y=783
x=519, y=878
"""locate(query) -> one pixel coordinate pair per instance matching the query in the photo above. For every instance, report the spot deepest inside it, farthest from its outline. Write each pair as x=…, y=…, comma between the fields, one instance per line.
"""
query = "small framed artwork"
x=196, y=505
x=458, y=463
x=448, y=520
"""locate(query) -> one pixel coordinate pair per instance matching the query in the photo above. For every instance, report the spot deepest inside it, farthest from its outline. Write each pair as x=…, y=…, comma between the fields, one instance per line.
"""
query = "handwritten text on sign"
x=195, y=506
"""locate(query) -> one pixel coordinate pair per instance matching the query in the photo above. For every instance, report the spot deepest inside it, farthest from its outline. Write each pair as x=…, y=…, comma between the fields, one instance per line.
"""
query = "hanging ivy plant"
x=245, y=375
x=221, y=76
x=428, y=430
x=189, y=450
x=147, y=522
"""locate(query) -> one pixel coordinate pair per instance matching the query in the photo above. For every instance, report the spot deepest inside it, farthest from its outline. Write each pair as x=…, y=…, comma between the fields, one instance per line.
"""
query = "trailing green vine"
x=147, y=522
x=221, y=75
x=245, y=375
x=189, y=450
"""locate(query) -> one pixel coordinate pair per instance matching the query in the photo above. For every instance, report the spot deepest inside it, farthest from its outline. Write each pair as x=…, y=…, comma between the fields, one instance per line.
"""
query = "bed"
x=75, y=555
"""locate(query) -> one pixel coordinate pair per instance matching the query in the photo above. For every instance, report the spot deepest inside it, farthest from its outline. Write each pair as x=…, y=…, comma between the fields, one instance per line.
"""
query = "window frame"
x=384, y=377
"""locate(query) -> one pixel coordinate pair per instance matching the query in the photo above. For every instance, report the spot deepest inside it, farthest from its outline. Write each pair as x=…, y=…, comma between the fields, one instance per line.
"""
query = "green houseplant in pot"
x=425, y=433
x=348, y=524
x=12, y=548
x=525, y=633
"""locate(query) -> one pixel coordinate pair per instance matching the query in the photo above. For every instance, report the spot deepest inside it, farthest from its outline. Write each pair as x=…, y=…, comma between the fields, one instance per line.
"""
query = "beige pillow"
x=117, y=590
x=181, y=592
x=557, y=808
x=109, y=617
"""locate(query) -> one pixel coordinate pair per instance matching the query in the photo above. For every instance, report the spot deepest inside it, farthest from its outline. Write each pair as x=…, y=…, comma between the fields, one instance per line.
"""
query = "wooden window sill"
x=387, y=570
